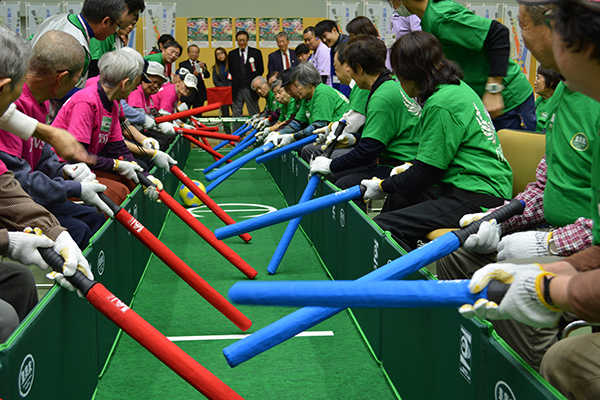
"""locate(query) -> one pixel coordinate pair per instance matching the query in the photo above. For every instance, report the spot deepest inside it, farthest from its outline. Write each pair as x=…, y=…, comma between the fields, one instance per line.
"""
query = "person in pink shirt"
x=167, y=98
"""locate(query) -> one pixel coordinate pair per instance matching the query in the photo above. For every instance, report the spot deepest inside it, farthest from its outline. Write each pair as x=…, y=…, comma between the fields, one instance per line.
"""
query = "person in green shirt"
x=545, y=85
x=171, y=51
x=459, y=164
x=324, y=104
x=481, y=47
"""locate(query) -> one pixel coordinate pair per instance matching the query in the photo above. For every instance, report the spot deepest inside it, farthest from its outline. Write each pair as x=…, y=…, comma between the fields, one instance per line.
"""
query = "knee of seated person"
x=9, y=320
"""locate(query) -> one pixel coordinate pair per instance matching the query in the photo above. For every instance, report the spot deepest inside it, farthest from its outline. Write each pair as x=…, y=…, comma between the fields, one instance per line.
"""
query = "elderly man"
x=321, y=56
x=283, y=58
x=331, y=36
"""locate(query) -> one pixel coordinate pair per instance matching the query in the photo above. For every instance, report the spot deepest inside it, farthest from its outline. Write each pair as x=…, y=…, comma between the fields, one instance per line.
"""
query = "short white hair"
x=118, y=65
x=16, y=54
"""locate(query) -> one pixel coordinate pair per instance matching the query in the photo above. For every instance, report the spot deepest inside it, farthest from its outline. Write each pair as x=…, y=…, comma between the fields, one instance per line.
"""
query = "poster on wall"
x=269, y=28
x=248, y=25
x=72, y=8
x=518, y=51
x=342, y=13
x=197, y=32
x=10, y=16
x=222, y=32
x=489, y=11
x=159, y=19
x=380, y=14
x=294, y=28
x=36, y=13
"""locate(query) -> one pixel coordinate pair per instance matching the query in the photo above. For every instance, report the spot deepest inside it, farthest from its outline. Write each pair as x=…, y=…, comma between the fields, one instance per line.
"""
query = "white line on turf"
x=233, y=337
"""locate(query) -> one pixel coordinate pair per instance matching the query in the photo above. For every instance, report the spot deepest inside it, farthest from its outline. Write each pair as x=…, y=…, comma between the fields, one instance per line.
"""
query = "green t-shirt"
x=272, y=104
x=358, y=99
x=393, y=119
x=157, y=57
x=570, y=138
x=289, y=109
x=99, y=48
x=327, y=104
x=462, y=34
x=596, y=193
x=542, y=113
x=457, y=135
x=302, y=114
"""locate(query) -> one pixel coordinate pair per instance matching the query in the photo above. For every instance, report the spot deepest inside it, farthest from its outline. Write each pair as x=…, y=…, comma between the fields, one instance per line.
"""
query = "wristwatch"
x=494, y=88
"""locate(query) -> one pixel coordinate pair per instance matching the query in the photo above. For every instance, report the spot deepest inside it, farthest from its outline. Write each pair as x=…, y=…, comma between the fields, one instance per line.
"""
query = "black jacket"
x=244, y=76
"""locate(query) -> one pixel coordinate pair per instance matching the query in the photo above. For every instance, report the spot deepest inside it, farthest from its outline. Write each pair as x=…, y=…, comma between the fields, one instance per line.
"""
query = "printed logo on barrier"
x=342, y=217
x=26, y=375
x=464, y=366
x=118, y=303
x=375, y=254
x=580, y=142
x=101, y=262
x=246, y=210
x=503, y=392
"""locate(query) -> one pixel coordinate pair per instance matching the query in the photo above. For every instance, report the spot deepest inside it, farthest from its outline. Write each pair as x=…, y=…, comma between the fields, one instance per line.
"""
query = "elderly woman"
x=324, y=104
x=459, y=168
x=94, y=117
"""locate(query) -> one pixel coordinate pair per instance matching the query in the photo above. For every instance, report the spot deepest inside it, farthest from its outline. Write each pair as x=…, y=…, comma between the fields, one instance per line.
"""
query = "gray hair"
x=94, y=11
x=56, y=51
x=118, y=65
x=538, y=13
x=283, y=34
x=259, y=78
x=136, y=54
x=275, y=84
x=306, y=75
x=16, y=54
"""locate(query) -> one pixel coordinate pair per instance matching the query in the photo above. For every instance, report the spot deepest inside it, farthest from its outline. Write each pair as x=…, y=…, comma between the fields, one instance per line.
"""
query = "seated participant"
x=459, y=164
x=170, y=52
x=354, y=118
x=94, y=117
x=288, y=105
x=37, y=168
x=390, y=135
x=324, y=104
x=545, y=84
x=184, y=83
x=272, y=109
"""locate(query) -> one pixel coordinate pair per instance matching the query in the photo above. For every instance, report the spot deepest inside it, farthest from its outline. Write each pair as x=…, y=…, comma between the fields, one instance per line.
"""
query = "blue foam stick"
x=286, y=149
x=234, y=152
x=220, y=180
x=243, y=129
x=247, y=138
x=307, y=317
x=347, y=294
x=240, y=161
x=285, y=214
x=284, y=243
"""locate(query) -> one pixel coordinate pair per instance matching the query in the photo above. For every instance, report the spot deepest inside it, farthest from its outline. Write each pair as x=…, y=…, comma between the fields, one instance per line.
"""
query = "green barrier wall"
x=427, y=353
x=62, y=346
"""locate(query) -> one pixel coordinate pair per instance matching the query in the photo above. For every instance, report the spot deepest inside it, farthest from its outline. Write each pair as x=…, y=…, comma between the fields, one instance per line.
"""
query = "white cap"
x=190, y=81
x=156, y=69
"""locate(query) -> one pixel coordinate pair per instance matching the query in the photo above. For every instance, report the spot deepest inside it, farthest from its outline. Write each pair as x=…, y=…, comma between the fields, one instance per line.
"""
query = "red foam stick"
x=205, y=141
x=205, y=198
x=201, y=126
x=208, y=134
x=205, y=147
x=156, y=343
x=180, y=268
x=206, y=234
x=188, y=113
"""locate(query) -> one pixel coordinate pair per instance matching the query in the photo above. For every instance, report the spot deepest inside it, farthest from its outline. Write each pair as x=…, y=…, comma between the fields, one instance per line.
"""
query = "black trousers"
x=18, y=296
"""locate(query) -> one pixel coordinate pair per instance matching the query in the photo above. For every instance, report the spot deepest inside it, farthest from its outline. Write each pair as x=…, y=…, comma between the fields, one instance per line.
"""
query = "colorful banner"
x=159, y=19
x=197, y=32
x=269, y=28
x=294, y=28
x=518, y=51
x=342, y=13
x=489, y=11
x=380, y=14
x=72, y=8
x=36, y=13
x=10, y=16
x=248, y=25
x=222, y=32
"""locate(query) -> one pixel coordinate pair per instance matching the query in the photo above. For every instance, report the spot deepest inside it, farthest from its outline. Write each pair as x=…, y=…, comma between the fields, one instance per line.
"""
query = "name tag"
x=390, y=39
x=106, y=123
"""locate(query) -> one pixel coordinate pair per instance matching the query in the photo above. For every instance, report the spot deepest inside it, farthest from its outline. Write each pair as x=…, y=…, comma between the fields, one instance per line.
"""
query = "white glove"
x=323, y=132
x=272, y=138
x=263, y=124
x=188, y=126
x=256, y=122
x=23, y=247
x=74, y=259
x=468, y=219
x=343, y=141
x=320, y=165
x=89, y=195
x=485, y=241
x=167, y=128
x=149, y=122
x=524, y=245
x=152, y=192
x=265, y=133
x=128, y=169
x=400, y=169
x=79, y=172
x=285, y=139
x=374, y=191
x=523, y=301
x=182, y=107
x=151, y=144
x=163, y=160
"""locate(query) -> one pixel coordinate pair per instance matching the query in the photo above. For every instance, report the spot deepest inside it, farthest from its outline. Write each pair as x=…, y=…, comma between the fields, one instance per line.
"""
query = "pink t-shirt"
x=92, y=82
x=86, y=118
x=138, y=99
x=29, y=150
x=166, y=98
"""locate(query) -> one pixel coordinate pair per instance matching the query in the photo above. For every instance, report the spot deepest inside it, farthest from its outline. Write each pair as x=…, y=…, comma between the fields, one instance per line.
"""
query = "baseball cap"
x=190, y=81
x=286, y=76
x=156, y=69
x=145, y=73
